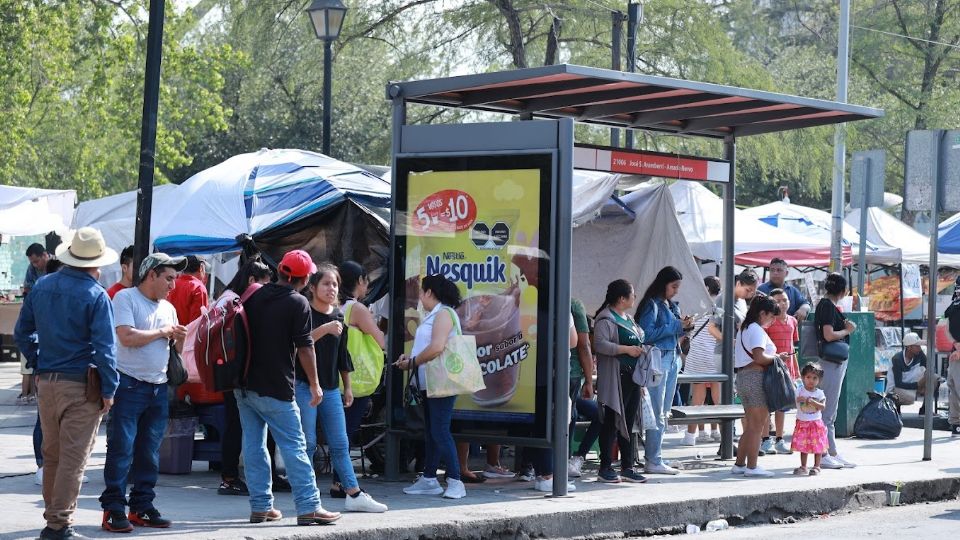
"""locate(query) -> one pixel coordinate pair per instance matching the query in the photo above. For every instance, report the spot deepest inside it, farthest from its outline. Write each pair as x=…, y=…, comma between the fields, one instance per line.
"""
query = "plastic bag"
x=779, y=387
x=878, y=419
x=648, y=419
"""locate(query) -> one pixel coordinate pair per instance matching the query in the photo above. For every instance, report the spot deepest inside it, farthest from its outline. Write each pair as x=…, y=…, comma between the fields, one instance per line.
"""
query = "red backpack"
x=222, y=347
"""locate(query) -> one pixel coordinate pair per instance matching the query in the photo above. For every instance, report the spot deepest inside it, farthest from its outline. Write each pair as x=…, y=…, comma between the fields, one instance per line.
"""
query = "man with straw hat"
x=71, y=314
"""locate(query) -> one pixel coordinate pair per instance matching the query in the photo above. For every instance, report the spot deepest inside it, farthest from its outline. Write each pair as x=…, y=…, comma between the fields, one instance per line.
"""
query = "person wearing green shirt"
x=581, y=389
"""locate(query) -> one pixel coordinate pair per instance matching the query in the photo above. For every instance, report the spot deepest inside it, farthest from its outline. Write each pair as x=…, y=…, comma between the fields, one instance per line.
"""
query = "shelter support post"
x=729, y=321
x=148, y=135
x=932, y=373
x=392, y=468
x=864, y=209
x=616, y=36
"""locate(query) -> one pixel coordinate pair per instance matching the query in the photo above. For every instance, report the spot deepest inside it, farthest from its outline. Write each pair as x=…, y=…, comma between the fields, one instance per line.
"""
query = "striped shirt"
x=702, y=358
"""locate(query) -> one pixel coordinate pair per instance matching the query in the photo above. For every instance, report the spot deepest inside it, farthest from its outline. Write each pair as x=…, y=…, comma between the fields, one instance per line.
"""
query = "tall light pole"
x=327, y=18
x=839, y=142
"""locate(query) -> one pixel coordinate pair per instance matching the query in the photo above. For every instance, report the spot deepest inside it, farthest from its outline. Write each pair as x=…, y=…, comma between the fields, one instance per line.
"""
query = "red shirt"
x=784, y=334
x=187, y=298
x=115, y=288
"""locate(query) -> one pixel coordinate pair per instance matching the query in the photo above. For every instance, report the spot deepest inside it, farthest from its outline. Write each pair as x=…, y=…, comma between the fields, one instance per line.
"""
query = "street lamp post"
x=327, y=18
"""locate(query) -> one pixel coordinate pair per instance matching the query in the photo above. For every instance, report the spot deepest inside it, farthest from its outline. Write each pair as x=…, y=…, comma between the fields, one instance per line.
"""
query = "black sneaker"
x=631, y=475
x=955, y=430
x=67, y=532
x=233, y=487
x=149, y=518
x=337, y=491
x=70, y=532
x=115, y=521
x=281, y=484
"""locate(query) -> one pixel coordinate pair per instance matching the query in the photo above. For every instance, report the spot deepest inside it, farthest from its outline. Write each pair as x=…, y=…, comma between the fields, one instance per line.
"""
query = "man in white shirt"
x=147, y=327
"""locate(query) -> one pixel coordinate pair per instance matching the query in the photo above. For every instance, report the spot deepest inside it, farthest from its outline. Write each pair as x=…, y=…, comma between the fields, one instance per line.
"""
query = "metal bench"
x=702, y=414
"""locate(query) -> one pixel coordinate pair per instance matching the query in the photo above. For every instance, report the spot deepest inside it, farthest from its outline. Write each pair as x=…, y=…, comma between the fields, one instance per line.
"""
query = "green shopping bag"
x=456, y=371
x=366, y=356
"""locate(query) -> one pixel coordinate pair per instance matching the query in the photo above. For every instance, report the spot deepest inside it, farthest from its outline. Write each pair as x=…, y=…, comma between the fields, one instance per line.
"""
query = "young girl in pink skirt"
x=810, y=435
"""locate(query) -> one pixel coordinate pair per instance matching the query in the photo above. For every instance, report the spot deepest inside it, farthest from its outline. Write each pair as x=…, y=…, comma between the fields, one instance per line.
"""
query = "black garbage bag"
x=878, y=419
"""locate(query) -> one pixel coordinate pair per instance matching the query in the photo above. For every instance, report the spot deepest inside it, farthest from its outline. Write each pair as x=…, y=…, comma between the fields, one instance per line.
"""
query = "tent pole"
x=729, y=321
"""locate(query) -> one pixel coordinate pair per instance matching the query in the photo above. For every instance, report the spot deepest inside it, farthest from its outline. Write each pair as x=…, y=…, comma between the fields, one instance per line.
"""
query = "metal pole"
x=633, y=18
x=932, y=374
x=729, y=321
x=148, y=135
x=864, y=209
x=560, y=351
x=839, y=139
x=327, y=92
x=395, y=341
x=616, y=36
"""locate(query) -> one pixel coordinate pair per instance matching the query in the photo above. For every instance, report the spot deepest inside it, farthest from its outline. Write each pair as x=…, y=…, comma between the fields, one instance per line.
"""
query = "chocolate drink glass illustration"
x=494, y=319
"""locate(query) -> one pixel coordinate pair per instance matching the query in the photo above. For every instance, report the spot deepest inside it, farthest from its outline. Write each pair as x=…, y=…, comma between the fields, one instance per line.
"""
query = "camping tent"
x=634, y=242
x=890, y=234
x=700, y=213
x=30, y=211
x=283, y=199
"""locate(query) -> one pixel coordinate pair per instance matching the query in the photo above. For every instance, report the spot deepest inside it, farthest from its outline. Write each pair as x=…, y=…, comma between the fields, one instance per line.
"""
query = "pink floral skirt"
x=809, y=437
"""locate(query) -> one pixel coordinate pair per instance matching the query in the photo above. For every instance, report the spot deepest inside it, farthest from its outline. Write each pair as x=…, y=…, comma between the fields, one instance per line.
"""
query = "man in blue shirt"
x=71, y=316
x=799, y=305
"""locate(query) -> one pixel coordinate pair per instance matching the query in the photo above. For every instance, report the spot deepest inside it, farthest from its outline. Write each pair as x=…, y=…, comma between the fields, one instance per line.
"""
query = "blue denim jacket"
x=70, y=314
x=661, y=326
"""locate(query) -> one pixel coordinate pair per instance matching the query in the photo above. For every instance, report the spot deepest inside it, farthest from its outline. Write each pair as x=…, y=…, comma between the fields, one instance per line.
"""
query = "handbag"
x=648, y=372
x=685, y=340
x=366, y=357
x=778, y=387
x=413, y=417
x=176, y=373
x=835, y=351
x=457, y=370
x=92, y=391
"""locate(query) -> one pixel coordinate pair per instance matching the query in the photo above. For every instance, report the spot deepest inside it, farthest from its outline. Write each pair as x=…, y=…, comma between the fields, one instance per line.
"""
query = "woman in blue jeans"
x=332, y=366
x=439, y=297
x=659, y=317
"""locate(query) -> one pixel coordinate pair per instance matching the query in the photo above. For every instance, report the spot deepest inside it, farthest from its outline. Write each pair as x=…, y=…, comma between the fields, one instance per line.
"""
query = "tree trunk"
x=516, y=44
x=550, y=58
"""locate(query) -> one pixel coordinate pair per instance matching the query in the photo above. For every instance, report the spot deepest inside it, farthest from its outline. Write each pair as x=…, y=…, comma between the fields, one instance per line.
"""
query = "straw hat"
x=86, y=250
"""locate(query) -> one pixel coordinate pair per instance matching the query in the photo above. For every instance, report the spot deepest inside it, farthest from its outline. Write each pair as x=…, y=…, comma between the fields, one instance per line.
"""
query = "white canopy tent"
x=894, y=237
x=31, y=211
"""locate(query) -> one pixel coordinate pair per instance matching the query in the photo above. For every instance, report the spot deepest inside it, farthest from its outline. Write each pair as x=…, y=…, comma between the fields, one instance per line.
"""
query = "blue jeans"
x=283, y=418
x=137, y=423
x=333, y=423
x=586, y=408
x=354, y=416
x=438, y=441
x=661, y=398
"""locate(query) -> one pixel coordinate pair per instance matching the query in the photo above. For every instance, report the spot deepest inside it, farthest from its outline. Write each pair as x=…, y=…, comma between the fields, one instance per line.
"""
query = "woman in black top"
x=832, y=326
x=333, y=365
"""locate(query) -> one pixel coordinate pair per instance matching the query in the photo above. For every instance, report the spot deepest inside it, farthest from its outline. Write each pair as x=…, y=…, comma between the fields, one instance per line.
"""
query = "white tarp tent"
x=890, y=234
x=31, y=211
x=700, y=213
x=635, y=247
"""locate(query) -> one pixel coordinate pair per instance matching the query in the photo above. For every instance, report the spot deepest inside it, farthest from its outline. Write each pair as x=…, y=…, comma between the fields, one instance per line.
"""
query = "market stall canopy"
x=259, y=194
x=890, y=234
x=630, y=100
x=700, y=213
x=949, y=232
x=634, y=241
x=31, y=211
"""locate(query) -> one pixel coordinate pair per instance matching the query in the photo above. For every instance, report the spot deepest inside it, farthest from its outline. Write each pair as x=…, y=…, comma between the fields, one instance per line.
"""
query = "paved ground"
x=504, y=509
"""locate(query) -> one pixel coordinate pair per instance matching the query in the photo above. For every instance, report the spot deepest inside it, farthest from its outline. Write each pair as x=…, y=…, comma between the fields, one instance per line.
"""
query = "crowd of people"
x=299, y=379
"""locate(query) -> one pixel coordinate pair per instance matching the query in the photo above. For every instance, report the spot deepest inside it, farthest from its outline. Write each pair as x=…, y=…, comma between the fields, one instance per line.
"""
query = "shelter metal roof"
x=630, y=100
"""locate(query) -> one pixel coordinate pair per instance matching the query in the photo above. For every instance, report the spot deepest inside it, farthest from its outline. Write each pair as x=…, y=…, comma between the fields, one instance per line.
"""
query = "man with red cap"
x=279, y=320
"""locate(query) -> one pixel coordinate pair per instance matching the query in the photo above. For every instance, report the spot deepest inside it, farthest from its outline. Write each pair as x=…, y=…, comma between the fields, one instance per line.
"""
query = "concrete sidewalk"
x=503, y=509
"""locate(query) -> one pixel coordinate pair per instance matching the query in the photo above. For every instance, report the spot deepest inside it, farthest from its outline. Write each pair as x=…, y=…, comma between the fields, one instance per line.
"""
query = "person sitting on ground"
x=909, y=371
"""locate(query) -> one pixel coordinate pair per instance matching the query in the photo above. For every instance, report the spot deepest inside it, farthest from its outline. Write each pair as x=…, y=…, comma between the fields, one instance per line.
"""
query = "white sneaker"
x=758, y=472
x=689, y=439
x=715, y=436
x=830, y=462
x=363, y=502
x=660, y=469
x=85, y=479
x=738, y=469
x=38, y=478
x=546, y=485
x=575, y=467
x=424, y=486
x=672, y=429
x=846, y=464
x=704, y=438
x=455, y=489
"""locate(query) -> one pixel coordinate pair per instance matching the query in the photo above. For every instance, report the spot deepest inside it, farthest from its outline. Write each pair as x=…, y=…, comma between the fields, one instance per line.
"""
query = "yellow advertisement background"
x=511, y=196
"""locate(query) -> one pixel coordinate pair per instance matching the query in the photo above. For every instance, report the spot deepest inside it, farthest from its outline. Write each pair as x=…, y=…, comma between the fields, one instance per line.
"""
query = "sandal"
x=801, y=471
x=815, y=471
x=470, y=478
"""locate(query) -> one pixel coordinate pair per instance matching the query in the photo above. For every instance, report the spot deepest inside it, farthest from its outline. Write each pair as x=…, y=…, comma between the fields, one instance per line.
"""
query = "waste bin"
x=176, y=450
x=859, y=378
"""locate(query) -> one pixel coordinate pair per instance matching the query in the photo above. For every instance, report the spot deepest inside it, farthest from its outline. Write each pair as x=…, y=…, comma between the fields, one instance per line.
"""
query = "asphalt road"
x=918, y=521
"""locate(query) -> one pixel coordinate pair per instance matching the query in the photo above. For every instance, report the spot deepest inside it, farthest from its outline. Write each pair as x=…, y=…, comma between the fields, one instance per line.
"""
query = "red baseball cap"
x=297, y=264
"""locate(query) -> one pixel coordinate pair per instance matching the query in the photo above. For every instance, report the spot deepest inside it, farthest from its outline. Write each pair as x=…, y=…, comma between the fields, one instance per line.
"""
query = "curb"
x=667, y=518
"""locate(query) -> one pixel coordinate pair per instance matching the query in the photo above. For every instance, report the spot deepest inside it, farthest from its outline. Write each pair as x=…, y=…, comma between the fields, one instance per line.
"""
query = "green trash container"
x=859, y=378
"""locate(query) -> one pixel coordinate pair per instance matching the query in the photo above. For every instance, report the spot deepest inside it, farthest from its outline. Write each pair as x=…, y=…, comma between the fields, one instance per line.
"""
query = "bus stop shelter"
x=570, y=93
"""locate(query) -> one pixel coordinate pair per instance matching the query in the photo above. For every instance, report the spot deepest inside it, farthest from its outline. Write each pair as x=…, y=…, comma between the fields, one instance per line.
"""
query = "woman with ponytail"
x=617, y=340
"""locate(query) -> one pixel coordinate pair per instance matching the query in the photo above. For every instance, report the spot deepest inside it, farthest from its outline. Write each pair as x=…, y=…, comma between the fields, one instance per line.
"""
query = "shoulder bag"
x=457, y=370
x=366, y=357
x=836, y=352
x=176, y=373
